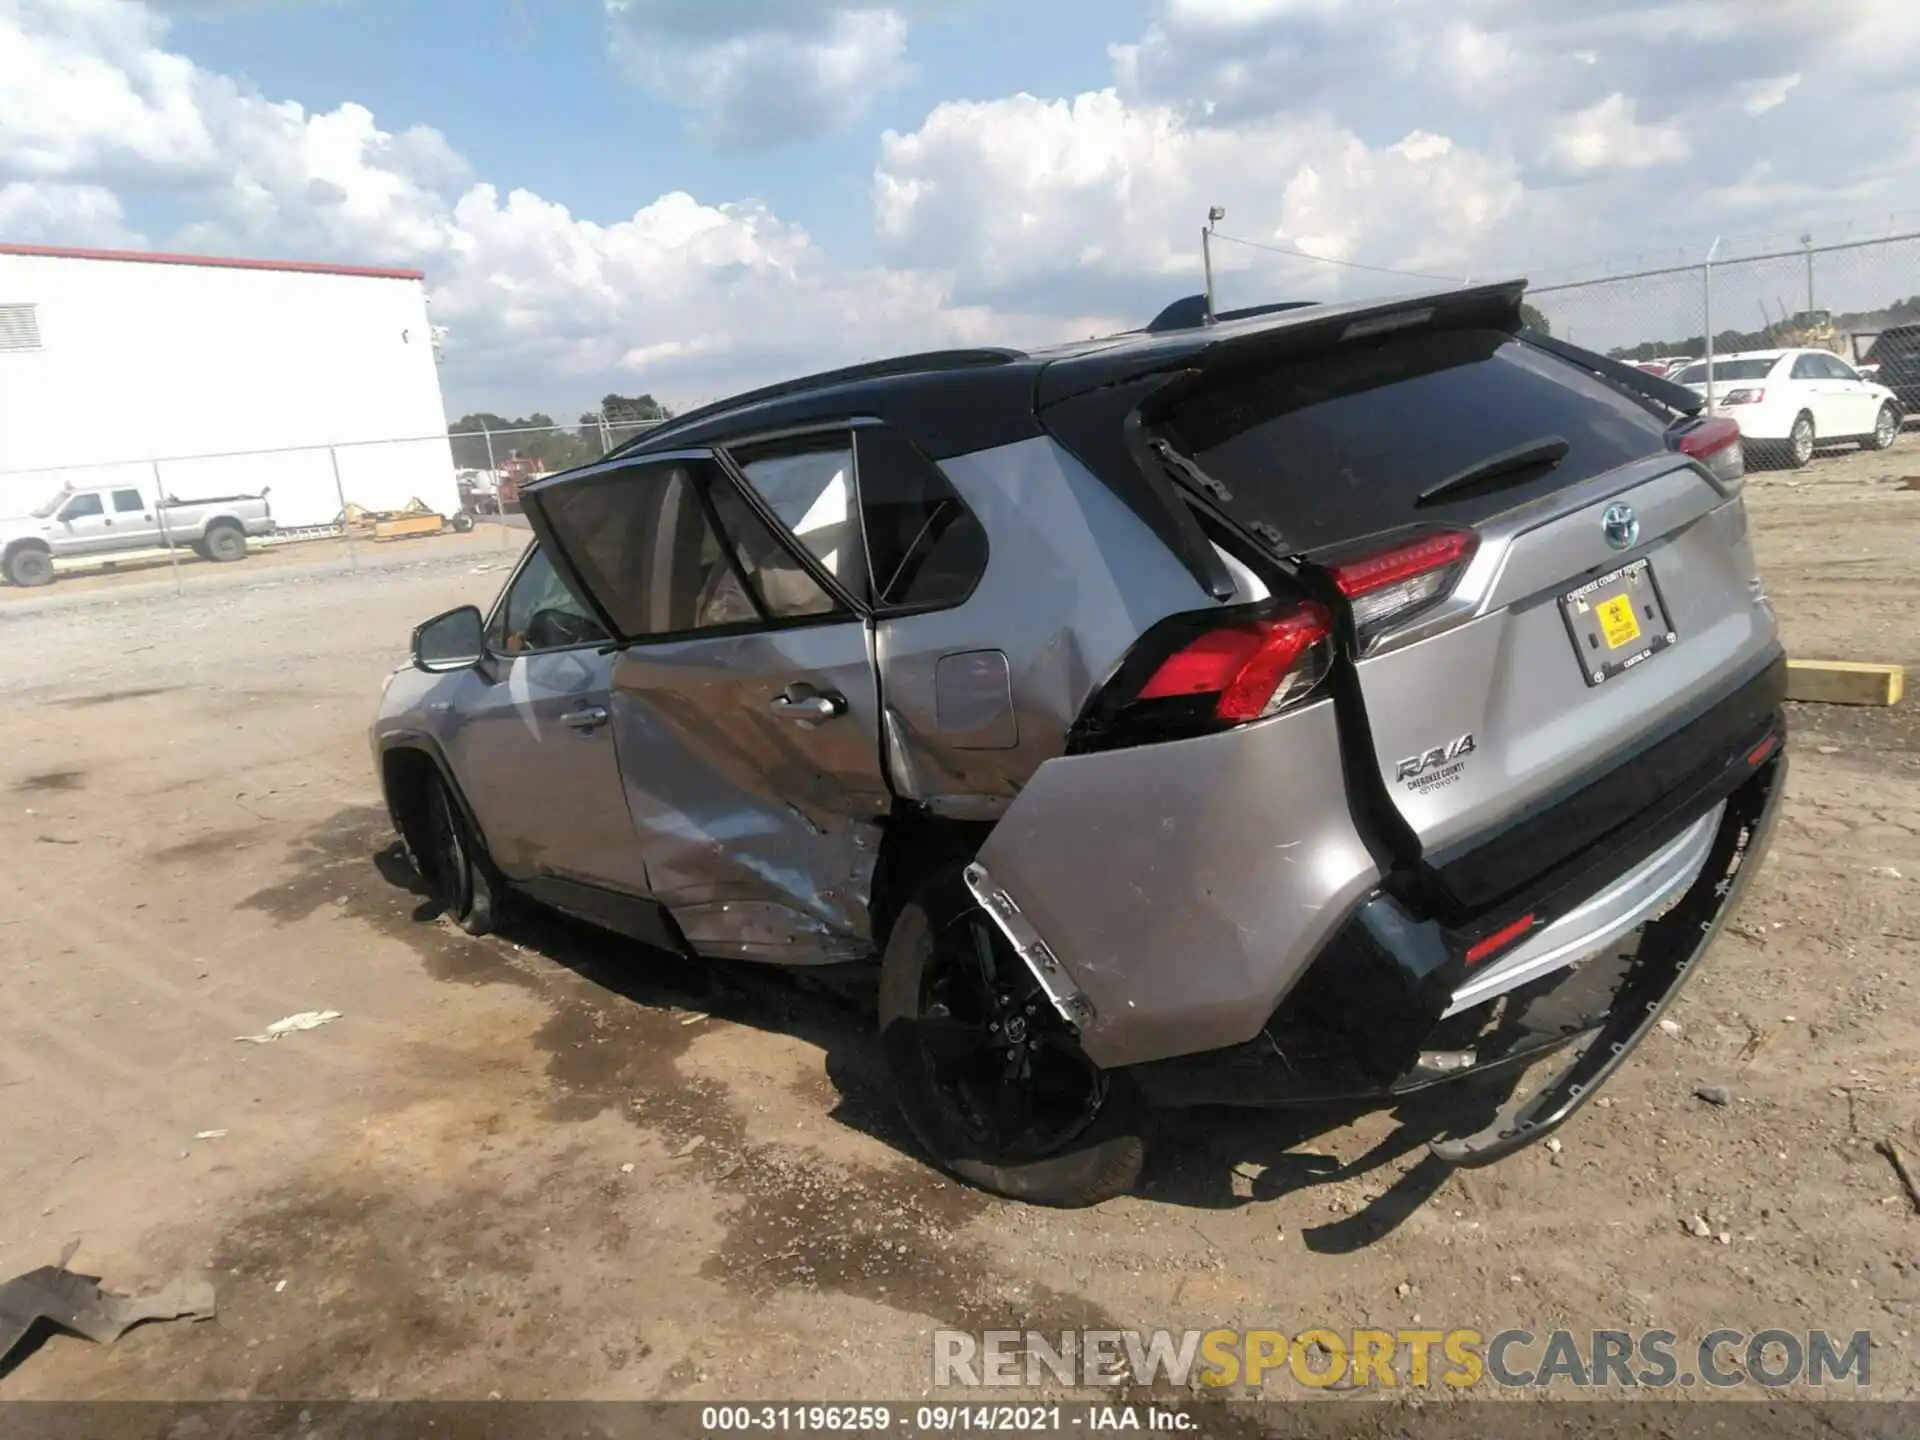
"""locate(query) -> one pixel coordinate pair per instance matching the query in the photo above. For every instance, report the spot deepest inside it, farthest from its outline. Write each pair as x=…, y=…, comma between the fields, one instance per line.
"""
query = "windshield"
x=46, y=508
x=1696, y=374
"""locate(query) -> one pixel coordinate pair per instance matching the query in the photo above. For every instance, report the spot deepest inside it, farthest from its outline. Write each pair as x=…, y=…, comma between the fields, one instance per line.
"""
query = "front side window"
x=81, y=507
x=539, y=613
x=644, y=541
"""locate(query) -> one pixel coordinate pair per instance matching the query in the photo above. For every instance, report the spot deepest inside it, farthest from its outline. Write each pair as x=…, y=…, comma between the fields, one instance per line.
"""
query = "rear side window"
x=811, y=490
x=924, y=547
x=127, y=501
x=645, y=543
x=1342, y=446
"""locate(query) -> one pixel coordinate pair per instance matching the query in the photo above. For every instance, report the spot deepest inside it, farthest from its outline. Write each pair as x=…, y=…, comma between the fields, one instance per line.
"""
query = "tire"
x=1085, y=1133
x=454, y=865
x=1797, y=453
x=30, y=565
x=224, y=543
x=1886, y=429
x=462, y=523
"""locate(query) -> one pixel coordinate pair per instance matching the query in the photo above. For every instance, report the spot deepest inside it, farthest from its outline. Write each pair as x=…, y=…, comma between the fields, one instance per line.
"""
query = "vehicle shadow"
x=1200, y=1154
x=1222, y=1158
x=829, y=1008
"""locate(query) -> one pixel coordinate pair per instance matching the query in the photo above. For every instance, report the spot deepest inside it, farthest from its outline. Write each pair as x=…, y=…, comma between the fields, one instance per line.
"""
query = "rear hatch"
x=1537, y=579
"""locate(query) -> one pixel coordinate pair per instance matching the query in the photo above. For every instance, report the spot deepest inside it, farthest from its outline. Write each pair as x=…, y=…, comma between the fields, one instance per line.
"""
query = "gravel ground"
x=552, y=1164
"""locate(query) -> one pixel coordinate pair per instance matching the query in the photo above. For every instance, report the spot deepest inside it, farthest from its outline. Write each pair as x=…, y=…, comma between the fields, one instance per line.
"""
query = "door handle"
x=591, y=718
x=808, y=706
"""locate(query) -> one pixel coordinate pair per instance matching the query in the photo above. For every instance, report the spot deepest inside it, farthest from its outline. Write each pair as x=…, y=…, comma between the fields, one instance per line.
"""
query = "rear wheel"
x=1798, y=452
x=225, y=542
x=30, y=565
x=453, y=865
x=990, y=1080
x=1886, y=429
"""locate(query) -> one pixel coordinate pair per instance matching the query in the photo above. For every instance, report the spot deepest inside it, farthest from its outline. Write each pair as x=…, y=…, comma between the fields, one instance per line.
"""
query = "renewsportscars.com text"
x=1456, y=1359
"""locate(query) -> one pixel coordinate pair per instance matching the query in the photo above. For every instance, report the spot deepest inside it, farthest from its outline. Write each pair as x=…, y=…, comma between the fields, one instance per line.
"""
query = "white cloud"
x=754, y=74
x=1607, y=136
x=35, y=212
x=1757, y=97
x=1023, y=197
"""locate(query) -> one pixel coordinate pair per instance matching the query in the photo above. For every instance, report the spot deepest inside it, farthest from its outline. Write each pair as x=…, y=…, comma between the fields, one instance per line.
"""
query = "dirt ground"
x=556, y=1165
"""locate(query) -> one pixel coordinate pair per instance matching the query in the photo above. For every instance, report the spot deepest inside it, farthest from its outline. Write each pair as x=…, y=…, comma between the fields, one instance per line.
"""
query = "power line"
x=1345, y=264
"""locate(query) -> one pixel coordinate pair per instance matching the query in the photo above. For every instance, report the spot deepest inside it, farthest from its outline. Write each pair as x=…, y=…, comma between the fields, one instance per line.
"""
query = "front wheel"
x=450, y=862
x=989, y=1079
x=30, y=565
x=1886, y=429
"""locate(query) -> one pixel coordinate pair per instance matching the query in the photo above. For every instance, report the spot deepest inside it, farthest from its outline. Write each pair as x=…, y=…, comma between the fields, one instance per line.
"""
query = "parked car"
x=105, y=519
x=1788, y=401
x=1306, y=707
x=1893, y=356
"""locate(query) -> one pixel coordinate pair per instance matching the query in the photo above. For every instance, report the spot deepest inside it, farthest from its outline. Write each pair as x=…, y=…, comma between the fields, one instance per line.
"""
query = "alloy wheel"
x=1802, y=441
x=1004, y=1065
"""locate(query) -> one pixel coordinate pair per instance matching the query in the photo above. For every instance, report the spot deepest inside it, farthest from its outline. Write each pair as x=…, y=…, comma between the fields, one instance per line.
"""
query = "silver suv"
x=1305, y=705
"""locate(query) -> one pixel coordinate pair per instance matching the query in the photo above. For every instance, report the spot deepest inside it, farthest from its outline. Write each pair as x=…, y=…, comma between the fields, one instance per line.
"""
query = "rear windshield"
x=1726, y=370
x=1340, y=447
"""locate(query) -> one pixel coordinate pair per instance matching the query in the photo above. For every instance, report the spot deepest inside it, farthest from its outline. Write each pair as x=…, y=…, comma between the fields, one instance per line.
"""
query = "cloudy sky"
x=688, y=196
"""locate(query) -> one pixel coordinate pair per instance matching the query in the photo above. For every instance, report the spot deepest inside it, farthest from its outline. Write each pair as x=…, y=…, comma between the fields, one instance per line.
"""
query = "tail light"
x=1716, y=445
x=1390, y=586
x=1200, y=674
x=1750, y=395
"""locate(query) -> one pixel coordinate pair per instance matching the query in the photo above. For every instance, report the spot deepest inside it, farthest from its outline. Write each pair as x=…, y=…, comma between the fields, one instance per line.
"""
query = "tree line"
x=548, y=443
x=1727, y=342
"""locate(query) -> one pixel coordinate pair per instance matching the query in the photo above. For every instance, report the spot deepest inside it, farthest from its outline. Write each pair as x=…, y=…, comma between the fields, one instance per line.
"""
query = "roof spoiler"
x=1270, y=335
x=1190, y=313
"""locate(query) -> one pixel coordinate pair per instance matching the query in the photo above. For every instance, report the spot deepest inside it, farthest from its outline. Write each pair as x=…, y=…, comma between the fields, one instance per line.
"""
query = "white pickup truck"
x=100, y=520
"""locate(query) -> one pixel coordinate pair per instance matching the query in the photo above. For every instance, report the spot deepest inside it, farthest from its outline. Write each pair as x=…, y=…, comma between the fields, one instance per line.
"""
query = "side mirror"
x=454, y=641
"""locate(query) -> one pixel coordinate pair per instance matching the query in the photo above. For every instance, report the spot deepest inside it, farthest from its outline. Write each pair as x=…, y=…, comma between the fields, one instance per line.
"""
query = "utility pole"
x=1708, y=306
x=1807, y=241
x=1214, y=216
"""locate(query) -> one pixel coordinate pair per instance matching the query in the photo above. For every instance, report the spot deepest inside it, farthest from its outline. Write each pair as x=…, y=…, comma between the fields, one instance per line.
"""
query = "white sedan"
x=1787, y=401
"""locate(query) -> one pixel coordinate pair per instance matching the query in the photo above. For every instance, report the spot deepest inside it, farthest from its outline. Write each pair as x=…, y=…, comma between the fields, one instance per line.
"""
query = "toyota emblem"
x=1621, y=525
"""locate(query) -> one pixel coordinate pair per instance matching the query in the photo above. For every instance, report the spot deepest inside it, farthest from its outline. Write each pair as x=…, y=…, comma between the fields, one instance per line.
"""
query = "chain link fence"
x=1835, y=297
x=179, y=519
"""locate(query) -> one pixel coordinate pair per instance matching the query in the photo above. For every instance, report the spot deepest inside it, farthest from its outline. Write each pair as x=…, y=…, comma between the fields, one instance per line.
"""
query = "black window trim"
x=609, y=470
x=798, y=435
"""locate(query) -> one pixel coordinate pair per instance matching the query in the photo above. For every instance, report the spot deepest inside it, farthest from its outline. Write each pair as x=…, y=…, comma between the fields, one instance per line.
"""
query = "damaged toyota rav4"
x=1297, y=706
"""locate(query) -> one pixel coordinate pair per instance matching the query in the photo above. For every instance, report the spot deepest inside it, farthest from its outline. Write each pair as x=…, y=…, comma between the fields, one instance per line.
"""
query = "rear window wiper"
x=1502, y=469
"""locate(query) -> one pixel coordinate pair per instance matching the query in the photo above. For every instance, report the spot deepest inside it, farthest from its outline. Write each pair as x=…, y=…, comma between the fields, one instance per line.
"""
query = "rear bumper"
x=1392, y=1004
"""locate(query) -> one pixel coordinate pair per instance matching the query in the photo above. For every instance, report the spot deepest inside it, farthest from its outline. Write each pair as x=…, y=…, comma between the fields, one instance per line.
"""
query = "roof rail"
x=919, y=364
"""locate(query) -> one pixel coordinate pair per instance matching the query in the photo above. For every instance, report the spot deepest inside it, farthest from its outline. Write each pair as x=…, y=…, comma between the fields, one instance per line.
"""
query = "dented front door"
x=752, y=772
x=744, y=706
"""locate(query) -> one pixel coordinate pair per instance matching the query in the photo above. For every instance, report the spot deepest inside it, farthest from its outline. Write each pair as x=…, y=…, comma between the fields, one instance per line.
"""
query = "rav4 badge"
x=1438, y=766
